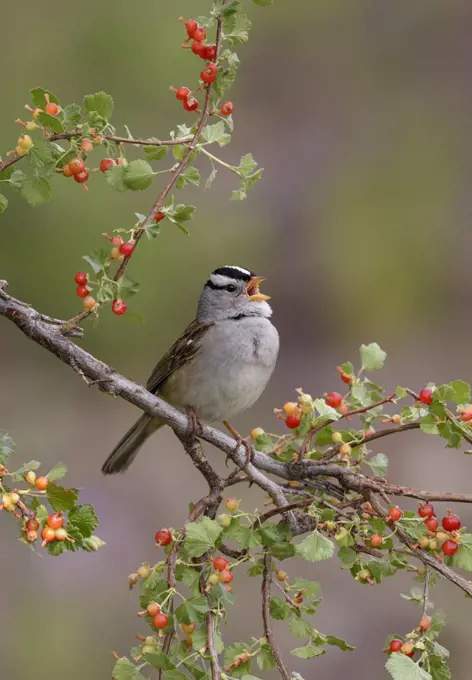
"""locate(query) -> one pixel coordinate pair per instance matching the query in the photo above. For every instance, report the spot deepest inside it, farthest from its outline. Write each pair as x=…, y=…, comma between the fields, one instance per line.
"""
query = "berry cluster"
x=408, y=645
x=76, y=168
x=447, y=540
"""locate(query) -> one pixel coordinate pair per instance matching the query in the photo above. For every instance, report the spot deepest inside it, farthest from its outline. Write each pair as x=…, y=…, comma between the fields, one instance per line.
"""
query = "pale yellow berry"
x=31, y=125
x=20, y=151
x=345, y=450
x=15, y=497
x=25, y=141
x=257, y=432
x=337, y=437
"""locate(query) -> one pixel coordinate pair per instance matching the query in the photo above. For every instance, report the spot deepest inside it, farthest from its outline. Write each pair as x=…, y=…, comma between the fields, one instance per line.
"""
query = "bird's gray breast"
x=229, y=372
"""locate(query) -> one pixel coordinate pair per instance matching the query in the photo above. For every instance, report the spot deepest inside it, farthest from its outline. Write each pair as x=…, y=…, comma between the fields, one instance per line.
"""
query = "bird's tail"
x=127, y=448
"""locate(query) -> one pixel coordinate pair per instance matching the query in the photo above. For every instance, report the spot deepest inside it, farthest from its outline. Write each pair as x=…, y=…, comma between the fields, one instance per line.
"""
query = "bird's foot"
x=195, y=428
x=240, y=441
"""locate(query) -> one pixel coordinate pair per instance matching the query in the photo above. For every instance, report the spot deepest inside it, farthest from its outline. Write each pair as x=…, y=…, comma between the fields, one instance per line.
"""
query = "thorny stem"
x=266, y=587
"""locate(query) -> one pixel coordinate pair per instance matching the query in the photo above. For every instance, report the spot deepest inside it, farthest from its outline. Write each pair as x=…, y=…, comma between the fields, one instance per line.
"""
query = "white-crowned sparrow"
x=219, y=366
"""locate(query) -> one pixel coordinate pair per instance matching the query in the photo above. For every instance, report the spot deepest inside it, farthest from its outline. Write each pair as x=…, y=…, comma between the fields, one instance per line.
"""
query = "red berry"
x=191, y=26
x=376, y=540
x=81, y=278
x=345, y=377
x=182, y=93
x=127, y=248
x=86, y=145
x=451, y=522
x=76, y=165
x=395, y=645
x=81, y=177
x=449, y=547
x=119, y=307
x=42, y=483
x=432, y=524
x=394, y=514
x=106, y=164
x=163, y=537
x=160, y=620
x=426, y=510
x=210, y=53
x=226, y=576
x=333, y=399
x=199, y=34
x=220, y=563
x=199, y=49
x=153, y=609
x=190, y=104
x=292, y=422
x=426, y=395
x=32, y=524
x=425, y=623
x=466, y=414
x=82, y=291
x=90, y=302
x=159, y=216
x=208, y=76
x=31, y=536
x=55, y=520
x=48, y=535
x=408, y=649
x=116, y=240
x=226, y=109
x=52, y=109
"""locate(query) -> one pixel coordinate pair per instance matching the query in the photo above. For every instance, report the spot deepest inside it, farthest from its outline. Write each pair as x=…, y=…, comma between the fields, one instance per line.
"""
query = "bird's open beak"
x=252, y=290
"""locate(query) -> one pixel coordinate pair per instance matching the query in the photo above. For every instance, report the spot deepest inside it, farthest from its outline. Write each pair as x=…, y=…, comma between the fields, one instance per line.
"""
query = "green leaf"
x=17, y=475
x=92, y=543
x=52, y=122
x=265, y=658
x=58, y=471
x=402, y=667
x=72, y=114
x=279, y=609
x=247, y=164
x=216, y=133
x=125, y=670
x=429, y=425
x=463, y=557
x=274, y=533
x=379, y=464
x=249, y=677
x=36, y=190
x=308, y=652
x=347, y=556
x=400, y=392
x=17, y=179
x=56, y=548
x=42, y=155
x=61, y=499
x=236, y=29
x=263, y=3
x=3, y=203
x=283, y=551
x=372, y=357
x=242, y=534
x=339, y=642
x=115, y=177
x=300, y=628
x=229, y=654
x=310, y=589
x=189, y=176
x=173, y=675
x=315, y=547
x=190, y=577
x=138, y=175
x=324, y=410
x=7, y=446
x=178, y=214
x=460, y=392
x=38, y=97
x=159, y=660
x=127, y=287
x=192, y=610
x=84, y=519
x=155, y=153
x=100, y=103
x=438, y=669
x=201, y=536
x=98, y=259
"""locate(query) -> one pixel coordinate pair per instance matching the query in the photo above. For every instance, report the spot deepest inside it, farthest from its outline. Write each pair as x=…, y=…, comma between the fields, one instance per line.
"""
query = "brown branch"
x=210, y=637
x=266, y=586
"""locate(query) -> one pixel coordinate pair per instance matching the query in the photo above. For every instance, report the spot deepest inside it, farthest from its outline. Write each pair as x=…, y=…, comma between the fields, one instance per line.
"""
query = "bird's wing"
x=181, y=352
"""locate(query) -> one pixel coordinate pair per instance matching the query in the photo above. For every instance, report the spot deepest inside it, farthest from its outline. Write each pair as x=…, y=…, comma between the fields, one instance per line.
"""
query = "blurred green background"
x=360, y=113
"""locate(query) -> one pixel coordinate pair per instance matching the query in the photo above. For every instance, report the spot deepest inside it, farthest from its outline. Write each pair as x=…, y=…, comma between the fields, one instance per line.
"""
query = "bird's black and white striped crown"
x=222, y=276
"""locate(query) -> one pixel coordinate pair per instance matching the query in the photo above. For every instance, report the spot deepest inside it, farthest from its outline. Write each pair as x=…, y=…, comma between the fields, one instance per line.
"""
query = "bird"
x=218, y=367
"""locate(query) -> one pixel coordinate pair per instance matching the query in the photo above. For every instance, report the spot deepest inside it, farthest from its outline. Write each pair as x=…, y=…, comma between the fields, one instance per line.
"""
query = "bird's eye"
x=231, y=288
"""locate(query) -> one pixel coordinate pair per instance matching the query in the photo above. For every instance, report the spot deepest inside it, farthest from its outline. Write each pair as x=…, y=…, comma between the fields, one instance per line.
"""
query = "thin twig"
x=427, y=578
x=266, y=586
